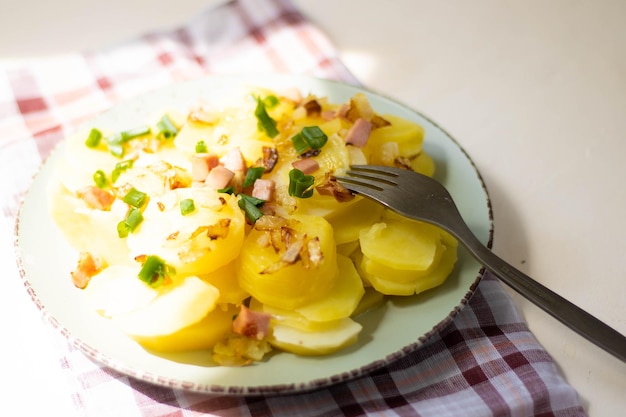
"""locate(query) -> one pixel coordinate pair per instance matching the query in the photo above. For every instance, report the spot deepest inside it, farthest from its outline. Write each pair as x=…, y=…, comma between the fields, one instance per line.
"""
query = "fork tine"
x=371, y=176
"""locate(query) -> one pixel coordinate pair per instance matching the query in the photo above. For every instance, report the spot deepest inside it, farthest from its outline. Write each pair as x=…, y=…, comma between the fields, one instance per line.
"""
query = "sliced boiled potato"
x=407, y=134
x=225, y=280
x=342, y=299
x=392, y=281
x=402, y=244
x=80, y=162
x=235, y=129
x=118, y=290
x=194, y=244
x=335, y=336
x=347, y=224
x=79, y=224
x=201, y=335
x=177, y=306
x=390, y=287
x=443, y=269
x=372, y=267
x=266, y=275
x=423, y=164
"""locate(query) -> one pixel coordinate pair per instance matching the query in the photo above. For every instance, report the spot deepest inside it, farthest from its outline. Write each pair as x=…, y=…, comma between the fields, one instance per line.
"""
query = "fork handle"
x=567, y=313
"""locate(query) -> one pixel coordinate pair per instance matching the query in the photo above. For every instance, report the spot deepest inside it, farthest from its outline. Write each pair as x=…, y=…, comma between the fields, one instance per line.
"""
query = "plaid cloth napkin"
x=484, y=363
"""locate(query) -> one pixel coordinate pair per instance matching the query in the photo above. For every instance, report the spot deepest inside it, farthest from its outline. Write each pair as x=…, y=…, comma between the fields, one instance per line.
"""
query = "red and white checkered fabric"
x=485, y=363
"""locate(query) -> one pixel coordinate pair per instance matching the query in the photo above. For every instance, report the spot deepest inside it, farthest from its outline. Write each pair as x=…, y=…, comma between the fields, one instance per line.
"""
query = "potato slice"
x=347, y=224
x=408, y=135
x=178, y=305
x=118, y=290
x=342, y=299
x=194, y=244
x=79, y=224
x=404, y=245
x=334, y=336
x=266, y=275
x=225, y=280
x=385, y=280
x=204, y=334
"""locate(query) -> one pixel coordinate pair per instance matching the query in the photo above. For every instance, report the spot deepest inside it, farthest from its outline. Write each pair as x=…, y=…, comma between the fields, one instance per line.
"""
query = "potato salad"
x=224, y=228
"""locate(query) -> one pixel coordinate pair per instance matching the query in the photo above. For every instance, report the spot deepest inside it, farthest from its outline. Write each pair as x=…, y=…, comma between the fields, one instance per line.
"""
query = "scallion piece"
x=201, y=147
x=135, y=198
x=252, y=175
x=250, y=206
x=266, y=123
x=314, y=136
x=299, y=143
x=134, y=133
x=121, y=167
x=300, y=185
x=154, y=271
x=93, y=139
x=270, y=101
x=187, y=206
x=133, y=219
x=116, y=148
x=167, y=128
x=122, y=229
x=100, y=178
x=227, y=190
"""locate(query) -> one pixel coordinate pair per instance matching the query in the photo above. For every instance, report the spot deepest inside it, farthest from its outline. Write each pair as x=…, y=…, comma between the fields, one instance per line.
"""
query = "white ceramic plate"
x=388, y=332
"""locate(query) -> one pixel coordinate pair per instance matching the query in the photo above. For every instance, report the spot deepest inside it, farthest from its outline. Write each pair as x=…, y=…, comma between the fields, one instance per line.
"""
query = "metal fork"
x=422, y=198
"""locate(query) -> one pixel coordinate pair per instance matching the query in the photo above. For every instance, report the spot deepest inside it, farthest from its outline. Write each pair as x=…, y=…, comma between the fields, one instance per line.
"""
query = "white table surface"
x=534, y=91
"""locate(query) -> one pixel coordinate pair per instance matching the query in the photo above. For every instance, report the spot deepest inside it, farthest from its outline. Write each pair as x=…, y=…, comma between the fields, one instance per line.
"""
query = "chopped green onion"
x=252, y=175
x=314, y=136
x=130, y=223
x=115, y=143
x=250, y=206
x=299, y=143
x=134, y=219
x=121, y=167
x=201, y=147
x=167, y=128
x=227, y=190
x=116, y=148
x=154, y=271
x=134, y=133
x=135, y=198
x=93, y=139
x=266, y=123
x=187, y=206
x=122, y=229
x=300, y=185
x=100, y=178
x=270, y=101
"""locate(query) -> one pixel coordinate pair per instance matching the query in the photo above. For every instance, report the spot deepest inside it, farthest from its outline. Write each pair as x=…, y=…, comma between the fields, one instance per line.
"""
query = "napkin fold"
x=486, y=362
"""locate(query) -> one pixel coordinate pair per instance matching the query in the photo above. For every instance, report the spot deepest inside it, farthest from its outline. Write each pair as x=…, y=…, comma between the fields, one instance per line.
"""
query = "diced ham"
x=202, y=164
x=96, y=197
x=328, y=115
x=359, y=133
x=87, y=267
x=342, y=111
x=306, y=165
x=263, y=189
x=219, y=177
x=233, y=160
x=252, y=324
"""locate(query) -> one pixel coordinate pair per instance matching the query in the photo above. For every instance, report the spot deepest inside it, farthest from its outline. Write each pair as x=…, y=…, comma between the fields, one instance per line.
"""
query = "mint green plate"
x=394, y=330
